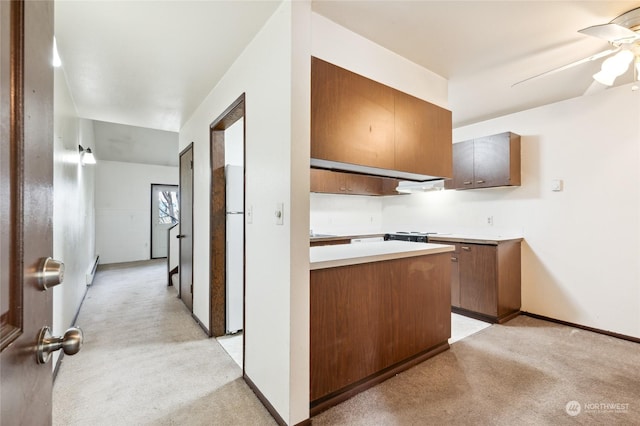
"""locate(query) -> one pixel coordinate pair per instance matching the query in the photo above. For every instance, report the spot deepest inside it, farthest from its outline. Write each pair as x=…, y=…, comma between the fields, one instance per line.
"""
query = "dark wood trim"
x=583, y=327
x=217, y=225
x=11, y=324
x=342, y=395
x=487, y=318
x=151, y=218
x=169, y=270
x=306, y=422
x=200, y=323
x=264, y=401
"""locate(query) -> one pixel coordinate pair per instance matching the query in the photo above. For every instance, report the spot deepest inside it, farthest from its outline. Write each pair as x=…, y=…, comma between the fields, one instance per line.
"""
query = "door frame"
x=151, y=216
x=184, y=151
x=217, y=225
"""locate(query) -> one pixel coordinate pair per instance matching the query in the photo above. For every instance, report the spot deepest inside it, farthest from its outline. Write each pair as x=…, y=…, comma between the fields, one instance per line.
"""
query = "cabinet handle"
x=454, y=259
x=465, y=248
x=343, y=189
x=467, y=182
x=480, y=181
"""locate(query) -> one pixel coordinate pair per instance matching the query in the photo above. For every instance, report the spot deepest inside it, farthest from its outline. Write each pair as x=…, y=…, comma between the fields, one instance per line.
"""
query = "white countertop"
x=331, y=256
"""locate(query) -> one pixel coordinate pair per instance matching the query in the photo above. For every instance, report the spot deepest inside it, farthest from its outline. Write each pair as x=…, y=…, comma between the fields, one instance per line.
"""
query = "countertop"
x=321, y=237
x=477, y=239
x=332, y=256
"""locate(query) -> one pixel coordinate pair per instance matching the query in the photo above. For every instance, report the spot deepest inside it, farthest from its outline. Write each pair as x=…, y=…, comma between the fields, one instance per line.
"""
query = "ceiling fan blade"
x=571, y=65
x=595, y=87
x=613, y=33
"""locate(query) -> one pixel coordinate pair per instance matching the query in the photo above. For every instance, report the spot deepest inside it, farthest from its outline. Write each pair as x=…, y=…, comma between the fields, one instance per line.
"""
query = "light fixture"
x=614, y=67
x=86, y=156
x=408, y=187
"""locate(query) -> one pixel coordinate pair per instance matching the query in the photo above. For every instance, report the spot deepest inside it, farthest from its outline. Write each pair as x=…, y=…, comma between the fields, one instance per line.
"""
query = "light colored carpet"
x=524, y=372
x=146, y=362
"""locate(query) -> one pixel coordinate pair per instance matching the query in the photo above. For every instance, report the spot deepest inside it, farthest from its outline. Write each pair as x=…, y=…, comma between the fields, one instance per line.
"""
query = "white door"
x=164, y=214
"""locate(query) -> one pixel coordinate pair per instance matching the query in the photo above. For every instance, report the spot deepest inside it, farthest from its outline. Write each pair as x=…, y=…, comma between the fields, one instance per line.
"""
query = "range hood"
x=372, y=171
x=431, y=185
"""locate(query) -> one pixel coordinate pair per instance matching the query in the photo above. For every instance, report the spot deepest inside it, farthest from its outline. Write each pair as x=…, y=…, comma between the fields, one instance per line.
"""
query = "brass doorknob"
x=70, y=343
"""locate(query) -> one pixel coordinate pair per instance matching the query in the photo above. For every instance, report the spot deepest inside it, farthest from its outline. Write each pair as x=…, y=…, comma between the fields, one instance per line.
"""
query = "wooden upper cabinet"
x=352, y=117
x=487, y=162
x=422, y=137
x=326, y=181
x=359, y=121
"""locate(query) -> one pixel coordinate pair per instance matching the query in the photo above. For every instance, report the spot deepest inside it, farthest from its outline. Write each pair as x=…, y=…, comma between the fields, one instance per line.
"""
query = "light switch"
x=250, y=214
x=556, y=185
x=279, y=213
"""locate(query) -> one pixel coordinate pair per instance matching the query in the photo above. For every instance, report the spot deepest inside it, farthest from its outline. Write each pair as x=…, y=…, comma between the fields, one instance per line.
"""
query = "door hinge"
x=191, y=164
x=191, y=288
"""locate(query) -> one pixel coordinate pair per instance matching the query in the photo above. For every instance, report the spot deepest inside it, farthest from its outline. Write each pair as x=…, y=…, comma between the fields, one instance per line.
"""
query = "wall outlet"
x=490, y=220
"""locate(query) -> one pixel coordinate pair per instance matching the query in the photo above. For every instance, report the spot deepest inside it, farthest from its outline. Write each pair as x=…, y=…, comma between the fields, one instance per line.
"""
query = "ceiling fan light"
x=638, y=67
x=604, y=77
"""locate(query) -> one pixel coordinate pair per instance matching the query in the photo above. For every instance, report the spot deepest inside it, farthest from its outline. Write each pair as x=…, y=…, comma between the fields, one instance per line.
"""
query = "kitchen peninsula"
x=377, y=308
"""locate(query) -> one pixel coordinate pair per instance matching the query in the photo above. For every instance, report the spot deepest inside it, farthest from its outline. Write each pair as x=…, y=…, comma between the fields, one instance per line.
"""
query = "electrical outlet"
x=490, y=220
x=556, y=185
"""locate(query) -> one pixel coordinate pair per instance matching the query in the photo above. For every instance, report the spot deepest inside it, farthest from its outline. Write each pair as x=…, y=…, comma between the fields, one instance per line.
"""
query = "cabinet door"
x=463, y=165
x=492, y=161
x=325, y=181
x=352, y=117
x=478, y=278
x=455, y=277
x=422, y=137
x=363, y=185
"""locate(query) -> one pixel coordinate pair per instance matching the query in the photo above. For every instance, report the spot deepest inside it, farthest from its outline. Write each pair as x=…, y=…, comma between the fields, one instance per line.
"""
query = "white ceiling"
x=150, y=63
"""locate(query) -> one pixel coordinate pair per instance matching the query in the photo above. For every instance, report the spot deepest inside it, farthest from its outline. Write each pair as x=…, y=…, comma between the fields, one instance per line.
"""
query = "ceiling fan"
x=623, y=34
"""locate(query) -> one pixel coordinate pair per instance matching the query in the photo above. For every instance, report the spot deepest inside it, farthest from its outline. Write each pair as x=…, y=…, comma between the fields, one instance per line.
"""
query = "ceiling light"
x=613, y=67
x=56, y=57
x=638, y=67
x=86, y=156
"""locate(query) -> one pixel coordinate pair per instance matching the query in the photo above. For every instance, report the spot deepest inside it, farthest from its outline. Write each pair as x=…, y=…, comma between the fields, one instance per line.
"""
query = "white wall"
x=345, y=214
x=582, y=245
x=342, y=47
x=273, y=72
x=73, y=206
x=123, y=208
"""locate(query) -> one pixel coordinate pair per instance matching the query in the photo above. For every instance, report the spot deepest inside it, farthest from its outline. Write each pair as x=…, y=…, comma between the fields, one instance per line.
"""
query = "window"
x=168, y=209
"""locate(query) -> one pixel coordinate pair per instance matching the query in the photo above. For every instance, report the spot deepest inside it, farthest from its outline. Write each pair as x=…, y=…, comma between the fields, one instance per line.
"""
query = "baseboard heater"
x=92, y=271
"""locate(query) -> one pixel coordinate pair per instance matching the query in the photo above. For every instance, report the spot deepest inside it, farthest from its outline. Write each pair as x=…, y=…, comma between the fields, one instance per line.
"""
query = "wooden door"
x=422, y=137
x=26, y=160
x=491, y=160
x=352, y=117
x=463, y=165
x=185, y=268
x=478, y=289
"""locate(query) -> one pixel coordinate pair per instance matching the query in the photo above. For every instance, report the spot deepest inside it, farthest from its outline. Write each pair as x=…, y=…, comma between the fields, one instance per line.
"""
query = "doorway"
x=185, y=202
x=164, y=214
x=228, y=228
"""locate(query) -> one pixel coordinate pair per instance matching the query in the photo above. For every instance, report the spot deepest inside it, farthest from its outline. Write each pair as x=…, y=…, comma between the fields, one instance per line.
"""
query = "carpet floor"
x=525, y=372
x=146, y=362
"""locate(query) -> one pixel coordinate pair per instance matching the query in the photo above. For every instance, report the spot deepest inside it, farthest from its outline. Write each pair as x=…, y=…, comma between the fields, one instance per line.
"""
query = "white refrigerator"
x=234, y=176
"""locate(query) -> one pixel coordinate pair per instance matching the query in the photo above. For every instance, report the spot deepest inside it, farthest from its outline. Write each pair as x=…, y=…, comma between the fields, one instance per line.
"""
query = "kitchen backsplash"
x=345, y=214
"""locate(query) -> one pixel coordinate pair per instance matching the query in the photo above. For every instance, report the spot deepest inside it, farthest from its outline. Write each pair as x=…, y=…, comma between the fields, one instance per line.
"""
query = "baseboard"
x=73, y=323
x=583, y=327
x=202, y=326
x=264, y=401
x=328, y=401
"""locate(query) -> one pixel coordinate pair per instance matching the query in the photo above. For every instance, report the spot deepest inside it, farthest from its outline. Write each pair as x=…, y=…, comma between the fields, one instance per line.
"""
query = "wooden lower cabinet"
x=486, y=280
x=370, y=321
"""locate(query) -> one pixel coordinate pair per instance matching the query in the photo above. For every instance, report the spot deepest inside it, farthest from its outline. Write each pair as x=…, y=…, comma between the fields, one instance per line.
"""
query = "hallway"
x=145, y=361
